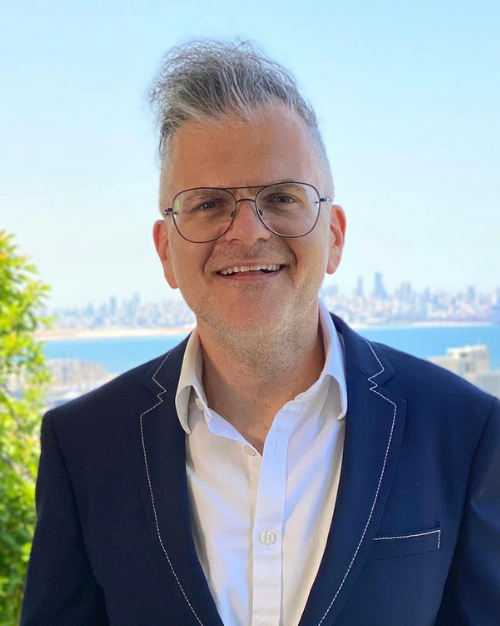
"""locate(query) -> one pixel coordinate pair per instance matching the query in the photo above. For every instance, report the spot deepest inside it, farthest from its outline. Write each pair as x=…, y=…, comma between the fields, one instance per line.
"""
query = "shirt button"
x=199, y=403
x=268, y=537
x=250, y=451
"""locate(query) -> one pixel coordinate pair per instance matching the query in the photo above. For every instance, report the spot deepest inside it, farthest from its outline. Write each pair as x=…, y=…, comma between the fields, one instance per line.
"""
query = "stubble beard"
x=266, y=345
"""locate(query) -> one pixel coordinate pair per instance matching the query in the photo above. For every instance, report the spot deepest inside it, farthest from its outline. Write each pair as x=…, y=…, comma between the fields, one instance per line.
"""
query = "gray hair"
x=209, y=80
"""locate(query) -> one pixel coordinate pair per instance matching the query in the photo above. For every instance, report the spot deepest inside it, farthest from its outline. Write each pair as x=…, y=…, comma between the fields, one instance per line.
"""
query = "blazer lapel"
x=374, y=426
x=159, y=442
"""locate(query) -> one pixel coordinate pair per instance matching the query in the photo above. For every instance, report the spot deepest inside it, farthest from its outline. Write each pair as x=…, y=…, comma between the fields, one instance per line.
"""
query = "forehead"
x=274, y=144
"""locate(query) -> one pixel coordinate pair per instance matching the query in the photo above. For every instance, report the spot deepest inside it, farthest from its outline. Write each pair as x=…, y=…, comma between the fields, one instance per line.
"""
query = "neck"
x=247, y=379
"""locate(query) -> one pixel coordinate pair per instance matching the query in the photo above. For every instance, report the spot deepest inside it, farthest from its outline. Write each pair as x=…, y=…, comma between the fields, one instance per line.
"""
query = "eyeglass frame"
x=170, y=210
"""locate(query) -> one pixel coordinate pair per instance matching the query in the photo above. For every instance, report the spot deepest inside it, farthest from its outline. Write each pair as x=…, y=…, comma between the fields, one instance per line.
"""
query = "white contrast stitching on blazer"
x=374, y=389
x=160, y=401
x=429, y=532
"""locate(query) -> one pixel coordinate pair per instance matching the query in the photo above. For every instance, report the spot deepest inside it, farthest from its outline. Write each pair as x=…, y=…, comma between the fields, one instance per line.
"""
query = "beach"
x=63, y=334
x=115, y=332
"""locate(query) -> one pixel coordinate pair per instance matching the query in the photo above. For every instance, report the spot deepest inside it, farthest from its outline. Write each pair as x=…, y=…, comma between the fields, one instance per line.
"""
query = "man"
x=275, y=468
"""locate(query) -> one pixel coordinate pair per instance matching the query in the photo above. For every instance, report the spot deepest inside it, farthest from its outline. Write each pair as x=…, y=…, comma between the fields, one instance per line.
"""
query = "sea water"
x=118, y=354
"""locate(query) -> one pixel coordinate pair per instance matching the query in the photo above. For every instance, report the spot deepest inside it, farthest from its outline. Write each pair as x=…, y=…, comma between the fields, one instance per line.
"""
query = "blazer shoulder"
x=114, y=397
x=422, y=377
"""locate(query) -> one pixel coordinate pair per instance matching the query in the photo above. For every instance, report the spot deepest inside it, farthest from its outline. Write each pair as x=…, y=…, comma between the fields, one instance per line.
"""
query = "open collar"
x=190, y=378
x=374, y=427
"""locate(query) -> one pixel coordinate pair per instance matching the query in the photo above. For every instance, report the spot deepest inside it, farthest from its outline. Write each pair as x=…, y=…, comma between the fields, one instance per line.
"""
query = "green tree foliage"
x=23, y=377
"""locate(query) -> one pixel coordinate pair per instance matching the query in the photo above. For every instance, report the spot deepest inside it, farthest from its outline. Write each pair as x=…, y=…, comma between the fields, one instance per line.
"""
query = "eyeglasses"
x=287, y=209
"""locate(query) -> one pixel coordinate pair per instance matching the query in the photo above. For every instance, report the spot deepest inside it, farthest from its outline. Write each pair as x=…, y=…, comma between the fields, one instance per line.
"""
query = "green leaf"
x=22, y=365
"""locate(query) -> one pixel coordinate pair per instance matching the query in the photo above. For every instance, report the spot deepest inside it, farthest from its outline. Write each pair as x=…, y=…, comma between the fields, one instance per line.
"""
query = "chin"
x=252, y=321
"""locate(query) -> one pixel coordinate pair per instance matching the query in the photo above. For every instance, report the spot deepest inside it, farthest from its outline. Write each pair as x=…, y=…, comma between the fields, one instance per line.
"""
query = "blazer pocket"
x=397, y=546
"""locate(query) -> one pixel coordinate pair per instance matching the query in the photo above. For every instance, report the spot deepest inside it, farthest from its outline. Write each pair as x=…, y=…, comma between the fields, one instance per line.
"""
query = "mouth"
x=249, y=272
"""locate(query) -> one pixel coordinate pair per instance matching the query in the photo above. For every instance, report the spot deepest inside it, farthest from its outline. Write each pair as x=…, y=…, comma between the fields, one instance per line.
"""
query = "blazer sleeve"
x=472, y=592
x=60, y=585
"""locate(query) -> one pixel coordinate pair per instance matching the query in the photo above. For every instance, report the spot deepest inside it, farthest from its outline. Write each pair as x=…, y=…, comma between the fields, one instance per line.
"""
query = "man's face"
x=273, y=146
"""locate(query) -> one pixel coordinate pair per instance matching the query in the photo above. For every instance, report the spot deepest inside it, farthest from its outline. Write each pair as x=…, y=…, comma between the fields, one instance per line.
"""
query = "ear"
x=161, y=239
x=337, y=238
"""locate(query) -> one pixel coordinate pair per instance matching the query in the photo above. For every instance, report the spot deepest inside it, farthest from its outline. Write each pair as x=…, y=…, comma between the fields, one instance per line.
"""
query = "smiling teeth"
x=248, y=268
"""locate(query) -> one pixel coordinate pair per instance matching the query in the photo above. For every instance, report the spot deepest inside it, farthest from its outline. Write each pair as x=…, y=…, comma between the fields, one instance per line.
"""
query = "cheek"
x=187, y=266
x=180, y=270
x=312, y=262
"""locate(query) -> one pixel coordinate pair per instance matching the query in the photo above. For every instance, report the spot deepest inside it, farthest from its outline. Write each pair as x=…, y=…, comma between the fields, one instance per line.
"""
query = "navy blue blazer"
x=414, y=539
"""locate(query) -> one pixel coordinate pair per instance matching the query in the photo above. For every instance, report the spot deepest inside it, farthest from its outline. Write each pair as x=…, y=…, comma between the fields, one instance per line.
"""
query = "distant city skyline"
x=407, y=97
x=365, y=304
x=373, y=286
x=371, y=308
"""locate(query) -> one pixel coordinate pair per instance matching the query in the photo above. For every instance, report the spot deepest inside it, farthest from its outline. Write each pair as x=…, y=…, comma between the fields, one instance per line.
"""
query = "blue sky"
x=407, y=96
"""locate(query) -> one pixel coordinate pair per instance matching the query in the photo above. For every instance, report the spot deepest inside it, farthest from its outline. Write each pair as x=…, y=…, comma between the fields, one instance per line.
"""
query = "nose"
x=247, y=227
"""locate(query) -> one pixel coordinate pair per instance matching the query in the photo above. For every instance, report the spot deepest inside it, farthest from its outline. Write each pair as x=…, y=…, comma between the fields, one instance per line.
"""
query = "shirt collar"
x=192, y=369
x=334, y=359
x=190, y=378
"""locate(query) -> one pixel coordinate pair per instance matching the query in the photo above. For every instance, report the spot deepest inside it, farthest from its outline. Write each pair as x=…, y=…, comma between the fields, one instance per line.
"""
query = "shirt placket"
x=268, y=528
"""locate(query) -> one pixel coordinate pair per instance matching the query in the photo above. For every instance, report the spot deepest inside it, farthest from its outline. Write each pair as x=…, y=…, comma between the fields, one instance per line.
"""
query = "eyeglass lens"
x=289, y=209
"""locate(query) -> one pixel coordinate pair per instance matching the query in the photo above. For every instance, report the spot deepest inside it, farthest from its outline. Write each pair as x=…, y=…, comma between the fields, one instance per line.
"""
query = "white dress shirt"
x=260, y=523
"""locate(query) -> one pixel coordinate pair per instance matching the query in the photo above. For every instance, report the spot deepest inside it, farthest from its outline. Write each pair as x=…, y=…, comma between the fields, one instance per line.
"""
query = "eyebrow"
x=274, y=182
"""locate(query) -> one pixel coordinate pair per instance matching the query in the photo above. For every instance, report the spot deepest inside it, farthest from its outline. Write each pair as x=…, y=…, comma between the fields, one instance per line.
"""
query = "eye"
x=284, y=199
x=205, y=206
x=212, y=204
x=279, y=198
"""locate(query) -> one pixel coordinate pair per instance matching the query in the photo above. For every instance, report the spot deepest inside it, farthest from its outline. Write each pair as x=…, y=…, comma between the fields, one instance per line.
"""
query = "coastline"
x=431, y=324
x=60, y=334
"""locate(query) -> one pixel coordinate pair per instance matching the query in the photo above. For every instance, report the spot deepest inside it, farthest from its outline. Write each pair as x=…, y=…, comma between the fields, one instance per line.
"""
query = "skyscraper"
x=379, y=292
x=359, y=291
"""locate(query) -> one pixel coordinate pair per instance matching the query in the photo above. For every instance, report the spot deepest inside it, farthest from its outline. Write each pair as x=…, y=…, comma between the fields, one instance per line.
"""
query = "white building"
x=473, y=364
